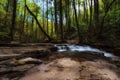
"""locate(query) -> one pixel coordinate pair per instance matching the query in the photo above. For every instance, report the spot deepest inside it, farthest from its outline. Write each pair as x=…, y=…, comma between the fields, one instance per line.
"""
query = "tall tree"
x=61, y=20
x=23, y=23
x=68, y=21
x=12, y=29
x=43, y=14
x=47, y=16
x=90, y=21
x=96, y=11
x=96, y=15
x=55, y=15
x=7, y=10
x=76, y=20
x=107, y=8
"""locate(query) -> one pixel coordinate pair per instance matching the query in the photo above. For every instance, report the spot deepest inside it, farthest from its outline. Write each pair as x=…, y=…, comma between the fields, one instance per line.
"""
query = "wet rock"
x=53, y=49
x=116, y=51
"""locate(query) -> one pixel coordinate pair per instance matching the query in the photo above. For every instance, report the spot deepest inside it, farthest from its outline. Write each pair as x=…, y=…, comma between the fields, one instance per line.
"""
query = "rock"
x=26, y=60
x=53, y=49
x=117, y=51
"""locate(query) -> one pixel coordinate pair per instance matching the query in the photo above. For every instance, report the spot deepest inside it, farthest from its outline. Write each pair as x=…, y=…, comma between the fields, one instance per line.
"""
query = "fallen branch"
x=38, y=23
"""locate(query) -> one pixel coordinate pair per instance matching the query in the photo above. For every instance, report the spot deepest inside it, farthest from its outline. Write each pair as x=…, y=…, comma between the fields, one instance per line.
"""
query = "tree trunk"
x=56, y=19
x=96, y=11
x=52, y=26
x=86, y=3
x=103, y=19
x=84, y=11
x=61, y=21
x=12, y=29
x=47, y=19
x=69, y=19
x=68, y=25
x=43, y=16
x=76, y=20
x=23, y=25
x=90, y=22
x=7, y=8
x=27, y=32
x=32, y=27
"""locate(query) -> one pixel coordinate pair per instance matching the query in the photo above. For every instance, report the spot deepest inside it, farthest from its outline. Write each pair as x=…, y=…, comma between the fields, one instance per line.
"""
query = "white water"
x=71, y=47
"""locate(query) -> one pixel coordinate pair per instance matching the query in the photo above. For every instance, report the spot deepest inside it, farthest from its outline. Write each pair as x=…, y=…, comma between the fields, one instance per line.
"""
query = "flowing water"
x=72, y=47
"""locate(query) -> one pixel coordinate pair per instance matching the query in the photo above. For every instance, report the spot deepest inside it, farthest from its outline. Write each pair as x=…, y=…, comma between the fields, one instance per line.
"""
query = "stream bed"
x=82, y=48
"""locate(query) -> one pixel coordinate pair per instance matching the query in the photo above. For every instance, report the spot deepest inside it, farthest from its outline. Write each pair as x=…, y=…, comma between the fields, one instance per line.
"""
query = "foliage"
x=27, y=30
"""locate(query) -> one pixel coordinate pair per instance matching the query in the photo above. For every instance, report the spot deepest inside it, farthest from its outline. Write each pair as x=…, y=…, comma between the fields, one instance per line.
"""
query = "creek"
x=82, y=48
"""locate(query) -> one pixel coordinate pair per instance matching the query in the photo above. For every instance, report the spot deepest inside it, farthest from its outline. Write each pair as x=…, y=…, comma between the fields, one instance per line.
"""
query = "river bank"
x=30, y=62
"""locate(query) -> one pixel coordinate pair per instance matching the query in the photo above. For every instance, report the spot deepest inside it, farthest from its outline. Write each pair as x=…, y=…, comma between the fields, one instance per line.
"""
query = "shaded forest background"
x=86, y=21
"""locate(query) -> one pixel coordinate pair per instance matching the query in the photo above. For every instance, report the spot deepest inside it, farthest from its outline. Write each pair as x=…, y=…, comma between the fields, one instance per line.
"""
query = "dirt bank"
x=39, y=63
x=69, y=69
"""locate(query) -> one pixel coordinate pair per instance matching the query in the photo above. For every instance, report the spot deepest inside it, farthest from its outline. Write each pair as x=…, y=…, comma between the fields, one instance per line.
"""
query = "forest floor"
x=38, y=62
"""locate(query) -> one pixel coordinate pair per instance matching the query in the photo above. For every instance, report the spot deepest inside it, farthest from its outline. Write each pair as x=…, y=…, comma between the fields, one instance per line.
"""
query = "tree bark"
x=96, y=11
x=23, y=25
x=96, y=16
x=56, y=21
x=90, y=21
x=47, y=18
x=61, y=21
x=12, y=29
x=7, y=8
x=76, y=20
x=68, y=25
